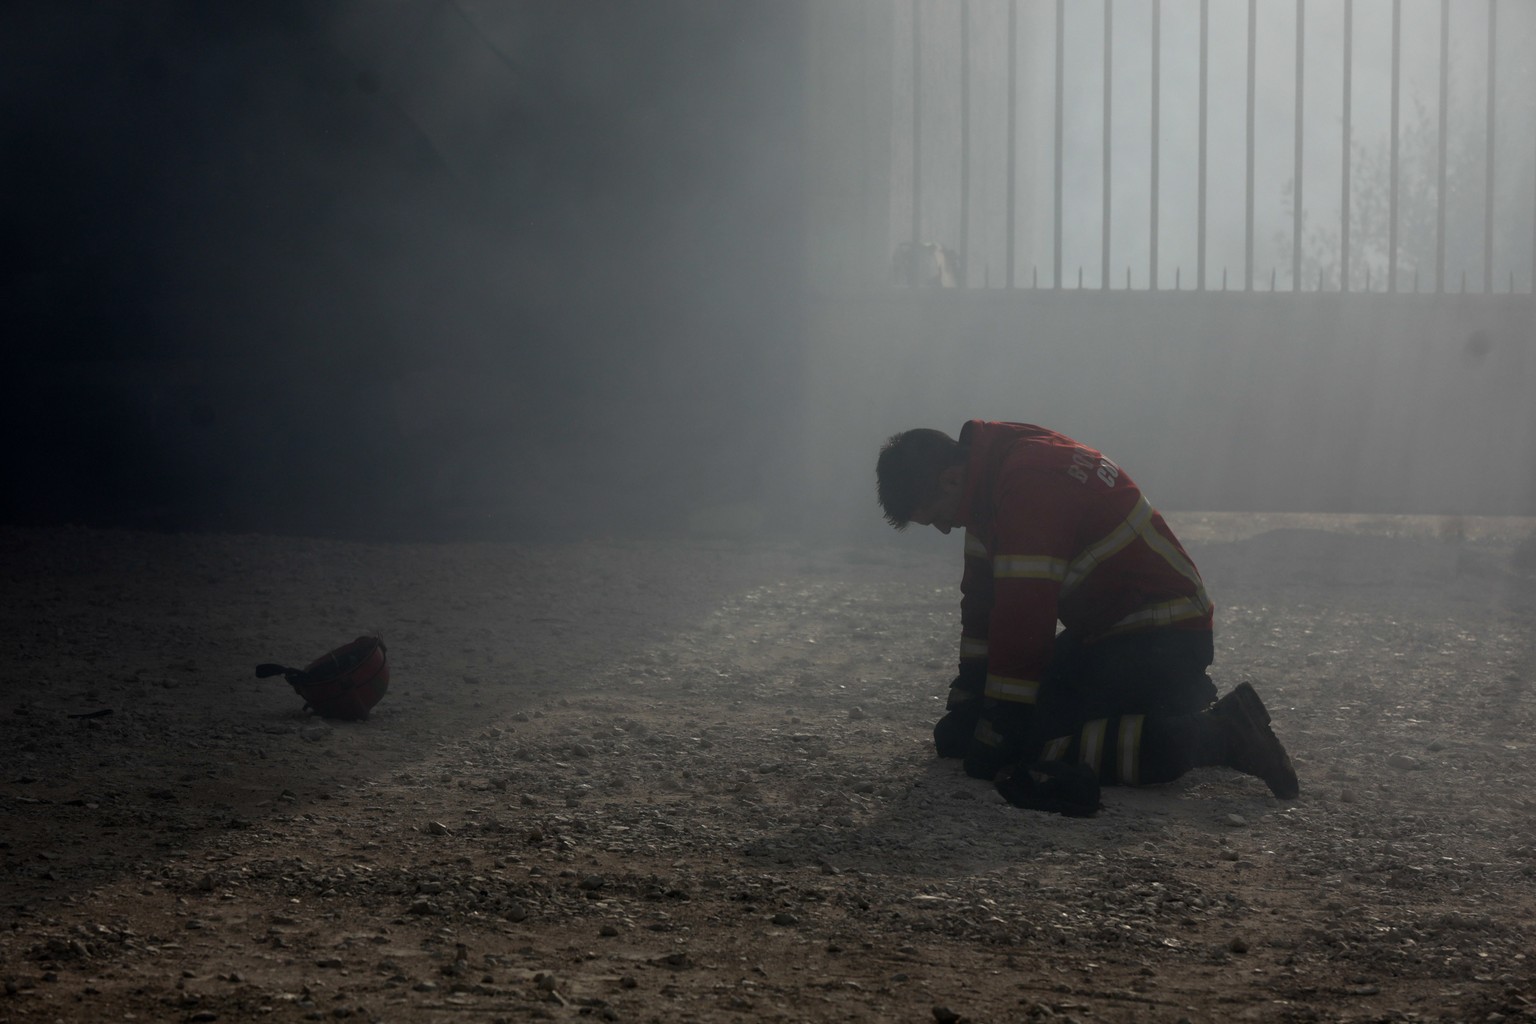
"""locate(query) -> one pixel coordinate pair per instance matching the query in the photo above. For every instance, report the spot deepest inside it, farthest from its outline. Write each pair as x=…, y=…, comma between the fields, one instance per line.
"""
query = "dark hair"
x=907, y=472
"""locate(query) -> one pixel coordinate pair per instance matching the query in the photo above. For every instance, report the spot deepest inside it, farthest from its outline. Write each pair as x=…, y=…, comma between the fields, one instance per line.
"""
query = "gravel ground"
x=665, y=782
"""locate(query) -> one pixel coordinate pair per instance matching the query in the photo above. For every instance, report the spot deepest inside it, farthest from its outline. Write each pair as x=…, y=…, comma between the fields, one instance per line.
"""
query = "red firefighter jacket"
x=1056, y=531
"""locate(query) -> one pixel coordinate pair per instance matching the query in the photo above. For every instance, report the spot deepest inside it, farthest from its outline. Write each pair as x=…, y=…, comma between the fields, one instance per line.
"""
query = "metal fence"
x=1352, y=145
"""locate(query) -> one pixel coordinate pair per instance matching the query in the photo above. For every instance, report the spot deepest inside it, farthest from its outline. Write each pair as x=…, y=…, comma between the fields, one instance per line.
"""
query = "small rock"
x=1238, y=944
x=608, y=931
x=856, y=713
x=1236, y=819
x=1348, y=796
x=437, y=828
x=1403, y=762
x=1436, y=746
x=785, y=919
x=944, y=1015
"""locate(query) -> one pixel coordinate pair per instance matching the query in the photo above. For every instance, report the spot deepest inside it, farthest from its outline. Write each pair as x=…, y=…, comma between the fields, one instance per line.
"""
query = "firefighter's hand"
x=953, y=734
x=983, y=761
x=969, y=684
x=998, y=741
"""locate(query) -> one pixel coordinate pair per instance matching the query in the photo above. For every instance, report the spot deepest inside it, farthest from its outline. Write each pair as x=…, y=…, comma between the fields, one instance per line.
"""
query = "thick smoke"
x=419, y=268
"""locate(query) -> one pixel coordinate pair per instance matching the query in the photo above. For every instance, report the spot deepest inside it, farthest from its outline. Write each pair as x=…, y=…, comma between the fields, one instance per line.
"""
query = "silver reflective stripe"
x=1138, y=525
x=1091, y=753
x=1164, y=613
x=973, y=647
x=1170, y=554
x=1056, y=749
x=1017, y=691
x=1106, y=547
x=1029, y=567
x=1130, y=749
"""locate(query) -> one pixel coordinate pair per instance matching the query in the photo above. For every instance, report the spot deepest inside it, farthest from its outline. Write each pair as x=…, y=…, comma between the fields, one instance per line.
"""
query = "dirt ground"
x=694, y=782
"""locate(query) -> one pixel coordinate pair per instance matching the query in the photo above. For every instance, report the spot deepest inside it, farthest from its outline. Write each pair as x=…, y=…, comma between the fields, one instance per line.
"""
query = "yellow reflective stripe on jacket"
x=1128, y=757
x=1106, y=547
x=1056, y=749
x=1164, y=613
x=1028, y=567
x=1015, y=691
x=986, y=735
x=974, y=548
x=973, y=647
x=1091, y=753
x=1170, y=554
x=1139, y=525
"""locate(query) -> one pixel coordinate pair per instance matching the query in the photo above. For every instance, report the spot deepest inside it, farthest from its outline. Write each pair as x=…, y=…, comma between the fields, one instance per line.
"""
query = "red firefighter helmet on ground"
x=346, y=683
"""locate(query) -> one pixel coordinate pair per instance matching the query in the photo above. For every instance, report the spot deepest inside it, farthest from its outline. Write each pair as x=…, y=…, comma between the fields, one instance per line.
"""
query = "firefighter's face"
x=941, y=510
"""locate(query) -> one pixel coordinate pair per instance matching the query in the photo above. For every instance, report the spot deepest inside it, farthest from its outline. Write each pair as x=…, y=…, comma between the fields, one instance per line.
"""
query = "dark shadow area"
x=133, y=725
x=426, y=269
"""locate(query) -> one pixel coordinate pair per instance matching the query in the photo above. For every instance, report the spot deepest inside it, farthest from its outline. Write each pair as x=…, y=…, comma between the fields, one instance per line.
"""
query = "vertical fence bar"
x=1061, y=46
x=965, y=138
x=1445, y=95
x=1349, y=70
x=1205, y=38
x=1493, y=50
x=917, y=120
x=1297, y=191
x=1109, y=63
x=1157, y=66
x=1253, y=51
x=1394, y=134
x=1013, y=126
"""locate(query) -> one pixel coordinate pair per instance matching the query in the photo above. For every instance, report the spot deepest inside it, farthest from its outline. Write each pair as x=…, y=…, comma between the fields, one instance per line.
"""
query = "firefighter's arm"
x=1030, y=554
x=975, y=622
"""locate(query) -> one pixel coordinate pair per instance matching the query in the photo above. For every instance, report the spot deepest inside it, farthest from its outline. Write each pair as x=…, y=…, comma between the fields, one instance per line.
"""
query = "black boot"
x=1242, y=739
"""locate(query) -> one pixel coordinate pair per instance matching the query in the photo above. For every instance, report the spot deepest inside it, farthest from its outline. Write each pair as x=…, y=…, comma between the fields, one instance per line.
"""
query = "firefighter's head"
x=920, y=477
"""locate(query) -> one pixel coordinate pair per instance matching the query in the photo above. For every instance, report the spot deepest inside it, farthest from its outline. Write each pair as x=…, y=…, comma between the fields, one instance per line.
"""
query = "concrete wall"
x=1217, y=401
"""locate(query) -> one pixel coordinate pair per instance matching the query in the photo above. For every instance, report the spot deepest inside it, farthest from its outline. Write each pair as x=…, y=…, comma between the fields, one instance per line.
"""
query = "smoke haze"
x=517, y=269
x=397, y=268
